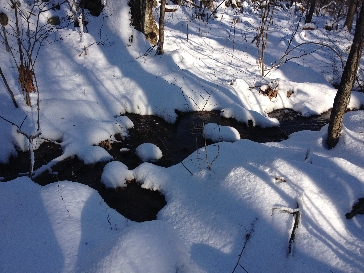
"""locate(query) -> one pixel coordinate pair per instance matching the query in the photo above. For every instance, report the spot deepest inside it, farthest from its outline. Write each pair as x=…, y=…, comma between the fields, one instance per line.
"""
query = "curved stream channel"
x=176, y=141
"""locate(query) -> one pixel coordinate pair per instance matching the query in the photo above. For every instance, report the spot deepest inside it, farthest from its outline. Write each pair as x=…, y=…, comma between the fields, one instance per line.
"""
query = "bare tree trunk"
x=263, y=31
x=21, y=55
x=143, y=20
x=161, y=27
x=83, y=18
x=22, y=67
x=350, y=15
x=347, y=80
x=311, y=11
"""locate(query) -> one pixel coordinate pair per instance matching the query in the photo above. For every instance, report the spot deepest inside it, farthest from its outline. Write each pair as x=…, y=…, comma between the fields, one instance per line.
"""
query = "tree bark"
x=347, y=81
x=161, y=27
x=311, y=11
x=350, y=15
x=142, y=19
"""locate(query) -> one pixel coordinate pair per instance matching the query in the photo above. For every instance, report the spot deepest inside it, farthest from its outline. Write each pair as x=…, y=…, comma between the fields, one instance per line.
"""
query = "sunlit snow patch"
x=116, y=174
x=217, y=133
x=148, y=152
x=172, y=8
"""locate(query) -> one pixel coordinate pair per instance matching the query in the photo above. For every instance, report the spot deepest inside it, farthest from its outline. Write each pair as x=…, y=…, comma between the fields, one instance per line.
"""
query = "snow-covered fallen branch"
x=48, y=166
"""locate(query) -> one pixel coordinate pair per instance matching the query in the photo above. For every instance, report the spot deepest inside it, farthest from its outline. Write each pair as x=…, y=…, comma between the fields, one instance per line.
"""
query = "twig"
x=247, y=237
x=7, y=87
x=209, y=164
x=83, y=50
x=243, y=268
x=12, y=123
x=30, y=138
x=217, y=155
x=31, y=151
x=279, y=179
x=149, y=50
x=282, y=61
x=296, y=216
x=38, y=103
x=186, y=168
x=308, y=156
x=215, y=9
x=22, y=122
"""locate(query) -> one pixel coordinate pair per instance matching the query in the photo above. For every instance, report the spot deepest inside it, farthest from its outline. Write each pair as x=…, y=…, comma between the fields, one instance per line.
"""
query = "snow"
x=309, y=26
x=85, y=235
x=172, y=7
x=148, y=152
x=217, y=133
x=115, y=174
x=227, y=203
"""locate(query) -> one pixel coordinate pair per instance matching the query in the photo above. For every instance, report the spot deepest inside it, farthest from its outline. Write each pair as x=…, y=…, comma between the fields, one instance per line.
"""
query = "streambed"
x=176, y=141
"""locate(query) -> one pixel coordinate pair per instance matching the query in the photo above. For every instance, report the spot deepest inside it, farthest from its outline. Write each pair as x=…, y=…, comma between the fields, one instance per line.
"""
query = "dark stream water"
x=176, y=141
x=179, y=140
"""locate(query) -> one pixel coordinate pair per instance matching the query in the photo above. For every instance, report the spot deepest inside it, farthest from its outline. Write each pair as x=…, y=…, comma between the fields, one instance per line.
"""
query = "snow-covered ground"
x=237, y=209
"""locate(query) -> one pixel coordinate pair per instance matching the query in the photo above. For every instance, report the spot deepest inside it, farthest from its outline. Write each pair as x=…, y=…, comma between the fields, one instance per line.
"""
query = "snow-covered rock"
x=217, y=133
x=115, y=174
x=148, y=152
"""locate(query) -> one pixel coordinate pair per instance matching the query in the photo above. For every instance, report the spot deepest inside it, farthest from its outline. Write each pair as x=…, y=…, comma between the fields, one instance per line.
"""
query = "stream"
x=177, y=141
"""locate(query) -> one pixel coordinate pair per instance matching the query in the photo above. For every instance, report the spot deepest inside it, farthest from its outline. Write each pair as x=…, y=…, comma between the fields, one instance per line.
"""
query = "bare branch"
x=8, y=88
x=282, y=60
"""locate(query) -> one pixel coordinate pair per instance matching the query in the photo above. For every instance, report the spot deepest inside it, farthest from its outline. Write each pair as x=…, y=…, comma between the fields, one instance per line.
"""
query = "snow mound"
x=116, y=174
x=66, y=224
x=147, y=247
x=217, y=133
x=148, y=152
x=72, y=229
x=227, y=198
x=6, y=147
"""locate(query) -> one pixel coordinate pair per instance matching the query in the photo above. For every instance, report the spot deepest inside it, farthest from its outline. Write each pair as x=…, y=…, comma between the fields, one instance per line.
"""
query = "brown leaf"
x=289, y=93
